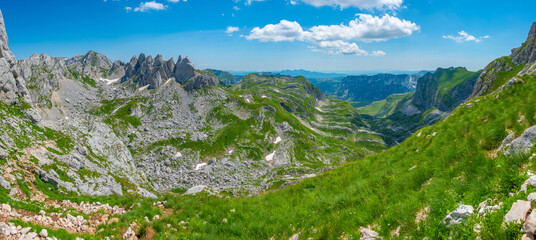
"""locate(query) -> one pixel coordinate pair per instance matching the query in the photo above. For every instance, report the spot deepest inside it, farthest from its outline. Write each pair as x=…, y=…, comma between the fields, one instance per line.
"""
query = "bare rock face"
x=526, y=54
x=522, y=144
x=149, y=71
x=184, y=70
x=426, y=90
x=12, y=90
x=200, y=81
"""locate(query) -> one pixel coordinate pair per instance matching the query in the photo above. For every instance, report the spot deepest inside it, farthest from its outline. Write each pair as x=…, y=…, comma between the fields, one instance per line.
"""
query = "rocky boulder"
x=461, y=214
x=518, y=212
x=530, y=223
x=368, y=234
x=522, y=144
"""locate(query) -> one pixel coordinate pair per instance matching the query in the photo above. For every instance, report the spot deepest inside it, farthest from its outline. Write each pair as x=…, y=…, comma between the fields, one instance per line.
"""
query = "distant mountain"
x=310, y=74
x=367, y=88
x=226, y=78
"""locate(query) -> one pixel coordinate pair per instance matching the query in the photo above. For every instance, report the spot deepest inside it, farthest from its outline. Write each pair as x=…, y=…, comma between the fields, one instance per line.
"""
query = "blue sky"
x=270, y=35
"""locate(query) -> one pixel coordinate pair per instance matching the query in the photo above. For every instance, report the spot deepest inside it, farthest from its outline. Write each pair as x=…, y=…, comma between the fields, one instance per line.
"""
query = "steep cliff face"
x=12, y=89
x=424, y=97
x=445, y=89
x=505, y=69
x=527, y=52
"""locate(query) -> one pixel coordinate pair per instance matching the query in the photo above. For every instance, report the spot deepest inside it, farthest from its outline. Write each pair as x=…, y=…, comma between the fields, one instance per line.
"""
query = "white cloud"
x=465, y=37
x=366, y=28
x=378, y=53
x=146, y=6
x=176, y=1
x=230, y=30
x=361, y=4
x=338, y=39
x=128, y=9
x=283, y=31
x=248, y=2
x=341, y=47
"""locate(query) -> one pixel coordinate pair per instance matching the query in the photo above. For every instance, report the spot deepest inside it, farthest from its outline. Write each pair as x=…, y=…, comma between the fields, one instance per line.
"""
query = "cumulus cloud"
x=146, y=6
x=176, y=1
x=366, y=28
x=465, y=37
x=361, y=4
x=338, y=39
x=230, y=30
x=341, y=47
x=283, y=31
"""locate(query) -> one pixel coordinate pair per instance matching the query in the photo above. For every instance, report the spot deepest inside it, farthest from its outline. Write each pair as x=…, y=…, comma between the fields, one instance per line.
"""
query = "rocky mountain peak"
x=532, y=32
x=184, y=70
x=3, y=34
x=146, y=70
x=527, y=52
x=4, y=49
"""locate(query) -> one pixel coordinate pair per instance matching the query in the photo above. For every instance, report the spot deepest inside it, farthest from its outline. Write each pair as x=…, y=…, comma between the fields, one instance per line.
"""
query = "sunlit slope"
x=437, y=168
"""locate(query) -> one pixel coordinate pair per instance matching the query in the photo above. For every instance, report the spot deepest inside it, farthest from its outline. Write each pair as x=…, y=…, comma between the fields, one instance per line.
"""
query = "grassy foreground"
x=450, y=163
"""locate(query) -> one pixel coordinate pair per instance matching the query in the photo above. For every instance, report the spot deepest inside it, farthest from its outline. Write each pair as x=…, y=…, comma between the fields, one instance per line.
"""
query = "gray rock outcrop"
x=94, y=65
x=461, y=214
x=184, y=70
x=525, y=54
x=149, y=71
x=12, y=89
x=518, y=212
x=200, y=81
x=427, y=86
x=522, y=144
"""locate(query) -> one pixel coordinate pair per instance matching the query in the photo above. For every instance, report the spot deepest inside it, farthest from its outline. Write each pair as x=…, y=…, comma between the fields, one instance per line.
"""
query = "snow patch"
x=264, y=96
x=199, y=166
x=278, y=139
x=196, y=189
x=168, y=81
x=143, y=88
x=178, y=155
x=270, y=156
x=317, y=108
x=109, y=81
x=230, y=151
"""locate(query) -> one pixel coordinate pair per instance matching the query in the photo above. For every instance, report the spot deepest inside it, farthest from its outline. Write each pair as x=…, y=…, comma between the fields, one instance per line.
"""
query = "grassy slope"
x=384, y=107
x=453, y=166
x=449, y=78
